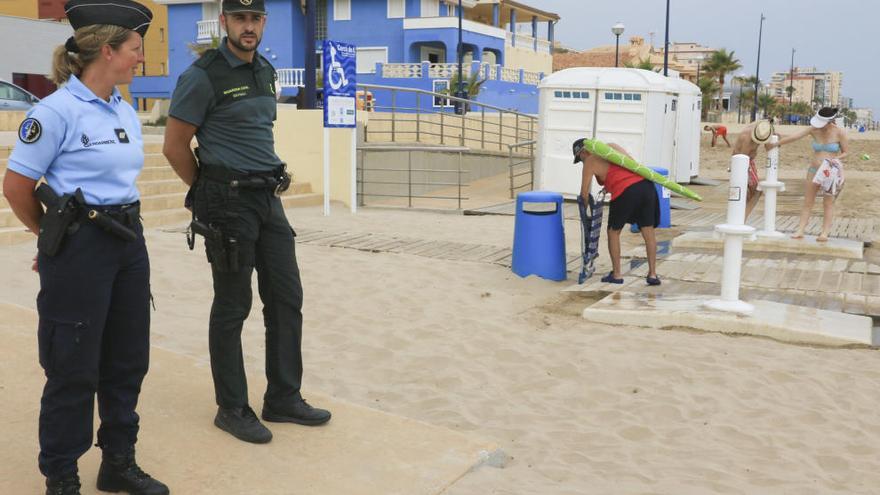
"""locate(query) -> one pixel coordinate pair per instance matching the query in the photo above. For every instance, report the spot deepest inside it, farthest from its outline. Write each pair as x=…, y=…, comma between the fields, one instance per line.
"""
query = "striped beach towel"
x=591, y=228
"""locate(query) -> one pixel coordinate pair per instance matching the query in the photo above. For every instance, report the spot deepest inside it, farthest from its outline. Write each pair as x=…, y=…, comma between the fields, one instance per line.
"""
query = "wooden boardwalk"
x=389, y=243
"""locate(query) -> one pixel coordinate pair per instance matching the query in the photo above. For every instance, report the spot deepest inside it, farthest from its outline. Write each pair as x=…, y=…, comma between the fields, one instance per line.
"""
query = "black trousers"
x=94, y=337
x=255, y=219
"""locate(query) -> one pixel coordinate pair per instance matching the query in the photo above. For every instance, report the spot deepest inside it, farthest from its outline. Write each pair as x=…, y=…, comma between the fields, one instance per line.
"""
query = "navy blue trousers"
x=94, y=338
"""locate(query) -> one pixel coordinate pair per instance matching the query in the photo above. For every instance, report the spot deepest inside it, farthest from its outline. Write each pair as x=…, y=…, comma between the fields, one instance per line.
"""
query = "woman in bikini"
x=829, y=143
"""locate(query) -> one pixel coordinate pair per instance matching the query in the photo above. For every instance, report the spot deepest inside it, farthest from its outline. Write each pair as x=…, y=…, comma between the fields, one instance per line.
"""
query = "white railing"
x=452, y=23
x=405, y=71
x=291, y=78
x=509, y=75
x=208, y=30
x=525, y=42
x=491, y=71
x=443, y=71
x=532, y=78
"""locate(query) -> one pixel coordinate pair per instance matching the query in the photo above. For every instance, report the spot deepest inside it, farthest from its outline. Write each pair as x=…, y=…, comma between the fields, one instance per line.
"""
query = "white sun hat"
x=823, y=117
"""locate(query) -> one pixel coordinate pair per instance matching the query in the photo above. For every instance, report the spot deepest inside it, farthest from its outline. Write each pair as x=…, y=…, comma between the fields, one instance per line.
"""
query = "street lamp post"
x=666, y=44
x=617, y=30
x=758, y=69
x=790, y=84
x=742, y=80
x=460, y=93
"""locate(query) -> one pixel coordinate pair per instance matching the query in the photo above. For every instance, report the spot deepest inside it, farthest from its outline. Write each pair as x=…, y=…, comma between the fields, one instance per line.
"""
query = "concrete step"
x=157, y=187
x=159, y=172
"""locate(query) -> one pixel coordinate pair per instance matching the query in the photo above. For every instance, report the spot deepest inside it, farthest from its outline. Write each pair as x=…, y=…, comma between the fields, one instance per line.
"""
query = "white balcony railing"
x=452, y=23
x=208, y=30
x=448, y=71
x=291, y=78
x=525, y=42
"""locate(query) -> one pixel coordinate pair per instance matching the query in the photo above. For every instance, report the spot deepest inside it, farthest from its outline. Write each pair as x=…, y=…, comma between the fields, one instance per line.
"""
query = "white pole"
x=771, y=186
x=353, y=199
x=326, y=172
x=734, y=231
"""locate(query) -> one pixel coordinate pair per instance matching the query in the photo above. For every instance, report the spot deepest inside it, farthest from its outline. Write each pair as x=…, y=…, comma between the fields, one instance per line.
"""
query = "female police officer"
x=94, y=270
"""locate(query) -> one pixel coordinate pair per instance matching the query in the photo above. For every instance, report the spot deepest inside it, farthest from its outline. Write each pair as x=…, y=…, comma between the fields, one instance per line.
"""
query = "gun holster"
x=59, y=220
x=222, y=250
x=283, y=181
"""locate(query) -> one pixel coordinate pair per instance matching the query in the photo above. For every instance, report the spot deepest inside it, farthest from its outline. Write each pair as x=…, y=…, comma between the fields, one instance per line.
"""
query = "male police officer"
x=227, y=100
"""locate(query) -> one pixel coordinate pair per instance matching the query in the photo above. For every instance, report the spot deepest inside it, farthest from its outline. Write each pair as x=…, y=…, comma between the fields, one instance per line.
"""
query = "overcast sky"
x=842, y=35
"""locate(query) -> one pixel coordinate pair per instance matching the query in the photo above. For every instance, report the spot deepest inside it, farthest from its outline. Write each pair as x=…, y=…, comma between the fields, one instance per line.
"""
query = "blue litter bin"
x=538, y=236
x=663, y=196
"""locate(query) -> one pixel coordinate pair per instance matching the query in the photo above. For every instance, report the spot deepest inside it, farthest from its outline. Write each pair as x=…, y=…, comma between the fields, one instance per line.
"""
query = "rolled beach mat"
x=612, y=155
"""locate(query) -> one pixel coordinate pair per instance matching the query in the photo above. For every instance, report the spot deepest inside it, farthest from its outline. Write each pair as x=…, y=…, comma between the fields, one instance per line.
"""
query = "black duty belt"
x=276, y=180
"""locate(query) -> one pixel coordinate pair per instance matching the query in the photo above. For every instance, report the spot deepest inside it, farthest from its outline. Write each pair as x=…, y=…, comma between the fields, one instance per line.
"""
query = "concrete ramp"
x=361, y=451
x=783, y=322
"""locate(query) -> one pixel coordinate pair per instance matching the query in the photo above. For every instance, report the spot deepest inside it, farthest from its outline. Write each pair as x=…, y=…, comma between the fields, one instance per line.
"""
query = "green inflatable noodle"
x=612, y=155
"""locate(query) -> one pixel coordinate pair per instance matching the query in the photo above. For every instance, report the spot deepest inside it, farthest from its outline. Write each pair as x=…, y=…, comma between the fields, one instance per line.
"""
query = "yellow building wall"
x=528, y=59
x=155, y=48
x=20, y=8
x=299, y=142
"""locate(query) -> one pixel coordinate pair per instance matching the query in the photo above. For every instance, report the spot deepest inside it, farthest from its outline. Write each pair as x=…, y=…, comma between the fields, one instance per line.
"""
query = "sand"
x=581, y=408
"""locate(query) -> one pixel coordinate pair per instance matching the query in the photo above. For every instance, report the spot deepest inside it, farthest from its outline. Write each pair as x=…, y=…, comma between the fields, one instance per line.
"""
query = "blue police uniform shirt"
x=75, y=139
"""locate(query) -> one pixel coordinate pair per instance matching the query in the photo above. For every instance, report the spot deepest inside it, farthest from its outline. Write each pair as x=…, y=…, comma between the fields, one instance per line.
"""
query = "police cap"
x=258, y=6
x=123, y=13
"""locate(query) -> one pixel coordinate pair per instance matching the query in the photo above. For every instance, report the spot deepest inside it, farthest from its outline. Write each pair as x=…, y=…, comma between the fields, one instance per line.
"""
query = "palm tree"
x=720, y=64
x=766, y=103
x=801, y=109
x=708, y=86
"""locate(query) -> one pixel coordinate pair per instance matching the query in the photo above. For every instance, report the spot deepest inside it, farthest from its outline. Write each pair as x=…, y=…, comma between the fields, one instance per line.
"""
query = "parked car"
x=13, y=97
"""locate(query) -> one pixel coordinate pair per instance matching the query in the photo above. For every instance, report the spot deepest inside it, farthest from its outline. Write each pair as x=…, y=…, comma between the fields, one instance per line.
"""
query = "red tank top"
x=618, y=179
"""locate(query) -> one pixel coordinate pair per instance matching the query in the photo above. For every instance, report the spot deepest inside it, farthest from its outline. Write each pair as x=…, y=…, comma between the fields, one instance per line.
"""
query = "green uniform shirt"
x=233, y=104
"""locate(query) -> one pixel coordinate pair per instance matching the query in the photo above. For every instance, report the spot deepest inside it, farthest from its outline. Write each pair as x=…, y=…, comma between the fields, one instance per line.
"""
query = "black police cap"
x=258, y=6
x=123, y=13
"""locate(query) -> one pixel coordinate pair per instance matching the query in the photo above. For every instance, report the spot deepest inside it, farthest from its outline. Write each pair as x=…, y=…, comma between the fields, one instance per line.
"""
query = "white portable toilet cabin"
x=634, y=108
x=688, y=106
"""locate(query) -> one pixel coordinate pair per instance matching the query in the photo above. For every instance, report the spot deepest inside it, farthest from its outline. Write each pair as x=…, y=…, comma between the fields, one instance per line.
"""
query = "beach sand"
x=580, y=408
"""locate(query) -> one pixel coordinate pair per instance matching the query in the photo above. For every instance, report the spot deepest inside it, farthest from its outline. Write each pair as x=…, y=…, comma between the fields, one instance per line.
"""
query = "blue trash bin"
x=539, y=236
x=663, y=197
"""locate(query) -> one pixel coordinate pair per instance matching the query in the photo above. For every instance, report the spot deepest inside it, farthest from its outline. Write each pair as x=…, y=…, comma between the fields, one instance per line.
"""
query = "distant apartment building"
x=812, y=86
x=864, y=116
x=410, y=43
x=684, y=58
x=29, y=68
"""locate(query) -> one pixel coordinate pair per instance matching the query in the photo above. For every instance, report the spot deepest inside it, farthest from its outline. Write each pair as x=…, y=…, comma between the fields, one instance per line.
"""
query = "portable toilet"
x=630, y=107
x=687, y=104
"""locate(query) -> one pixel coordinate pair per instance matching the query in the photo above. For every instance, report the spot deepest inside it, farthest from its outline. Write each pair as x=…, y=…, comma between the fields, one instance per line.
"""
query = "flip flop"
x=822, y=239
x=652, y=280
x=611, y=280
x=797, y=237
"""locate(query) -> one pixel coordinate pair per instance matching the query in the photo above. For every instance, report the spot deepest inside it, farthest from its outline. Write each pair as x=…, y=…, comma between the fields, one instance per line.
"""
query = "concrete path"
x=361, y=451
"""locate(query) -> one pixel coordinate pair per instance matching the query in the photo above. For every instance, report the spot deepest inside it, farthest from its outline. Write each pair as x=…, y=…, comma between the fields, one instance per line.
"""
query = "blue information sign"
x=339, y=84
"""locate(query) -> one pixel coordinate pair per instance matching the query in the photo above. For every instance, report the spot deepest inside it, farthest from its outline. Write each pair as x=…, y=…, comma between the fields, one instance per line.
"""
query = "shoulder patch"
x=30, y=130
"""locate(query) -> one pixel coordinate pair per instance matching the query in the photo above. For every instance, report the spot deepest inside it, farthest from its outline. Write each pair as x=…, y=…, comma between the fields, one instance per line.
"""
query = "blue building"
x=409, y=43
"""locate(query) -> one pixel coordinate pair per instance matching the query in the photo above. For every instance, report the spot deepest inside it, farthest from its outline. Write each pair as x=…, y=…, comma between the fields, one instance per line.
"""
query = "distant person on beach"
x=747, y=143
x=226, y=99
x=825, y=173
x=93, y=336
x=633, y=200
x=717, y=131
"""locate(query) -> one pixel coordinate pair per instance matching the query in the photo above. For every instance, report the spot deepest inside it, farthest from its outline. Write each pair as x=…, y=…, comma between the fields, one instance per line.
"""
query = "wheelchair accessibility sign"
x=339, y=84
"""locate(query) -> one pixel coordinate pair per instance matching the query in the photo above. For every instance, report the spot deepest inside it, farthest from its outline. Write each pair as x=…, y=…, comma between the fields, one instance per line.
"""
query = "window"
x=341, y=10
x=576, y=95
x=631, y=97
x=441, y=86
x=396, y=9
x=320, y=19
x=368, y=57
x=430, y=8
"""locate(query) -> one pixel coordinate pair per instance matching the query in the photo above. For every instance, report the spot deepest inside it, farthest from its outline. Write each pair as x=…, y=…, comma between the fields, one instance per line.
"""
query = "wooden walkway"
x=389, y=243
x=860, y=229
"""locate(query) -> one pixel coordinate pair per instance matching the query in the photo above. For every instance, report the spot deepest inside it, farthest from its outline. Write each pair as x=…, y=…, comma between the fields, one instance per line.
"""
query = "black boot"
x=63, y=486
x=120, y=473
x=299, y=412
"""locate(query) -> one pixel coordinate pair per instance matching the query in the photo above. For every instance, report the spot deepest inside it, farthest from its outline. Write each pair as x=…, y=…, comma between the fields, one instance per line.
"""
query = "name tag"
x=121, y=135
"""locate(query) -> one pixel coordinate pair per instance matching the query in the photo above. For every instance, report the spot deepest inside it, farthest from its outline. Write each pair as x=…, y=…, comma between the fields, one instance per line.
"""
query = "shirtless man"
x=717, y=130
x=747, y=143
x=633, y=200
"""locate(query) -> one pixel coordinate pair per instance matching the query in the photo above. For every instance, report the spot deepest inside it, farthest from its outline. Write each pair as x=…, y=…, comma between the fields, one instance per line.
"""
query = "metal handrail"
x=447, y=97
x=362, y=172
x=530, y=160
